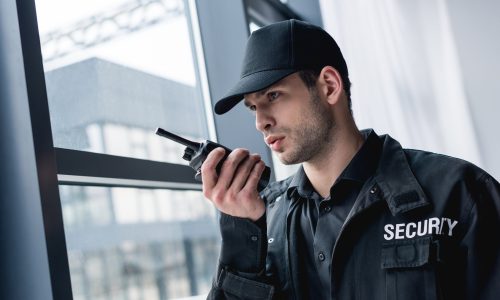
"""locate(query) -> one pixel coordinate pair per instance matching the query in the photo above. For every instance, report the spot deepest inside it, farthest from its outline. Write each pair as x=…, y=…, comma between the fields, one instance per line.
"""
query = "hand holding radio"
x=233, y=190
x=231, y=179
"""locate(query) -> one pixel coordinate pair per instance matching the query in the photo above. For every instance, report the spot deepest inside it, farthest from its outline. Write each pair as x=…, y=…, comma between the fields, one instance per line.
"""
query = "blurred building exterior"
x=128, y=243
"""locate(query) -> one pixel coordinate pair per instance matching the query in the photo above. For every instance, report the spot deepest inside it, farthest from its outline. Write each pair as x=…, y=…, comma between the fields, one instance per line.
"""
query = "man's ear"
x=330, y=84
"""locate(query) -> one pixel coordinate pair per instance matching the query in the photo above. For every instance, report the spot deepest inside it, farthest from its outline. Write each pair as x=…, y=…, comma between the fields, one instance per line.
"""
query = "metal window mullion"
x=86, y=168
x=199, y=58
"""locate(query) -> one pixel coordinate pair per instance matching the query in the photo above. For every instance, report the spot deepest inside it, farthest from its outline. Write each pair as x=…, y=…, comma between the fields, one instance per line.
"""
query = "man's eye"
x=273, y=95
x=252, y=107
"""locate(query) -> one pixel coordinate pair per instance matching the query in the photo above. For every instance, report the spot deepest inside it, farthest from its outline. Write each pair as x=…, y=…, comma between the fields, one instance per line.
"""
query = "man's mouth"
x=274, y=142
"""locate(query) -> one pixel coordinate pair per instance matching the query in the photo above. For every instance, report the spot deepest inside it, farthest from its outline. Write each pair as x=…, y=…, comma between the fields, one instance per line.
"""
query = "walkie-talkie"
x=196, y=153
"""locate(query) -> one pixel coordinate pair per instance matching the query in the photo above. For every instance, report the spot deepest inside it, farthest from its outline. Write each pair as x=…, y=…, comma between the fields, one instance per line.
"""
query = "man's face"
x=295, y=122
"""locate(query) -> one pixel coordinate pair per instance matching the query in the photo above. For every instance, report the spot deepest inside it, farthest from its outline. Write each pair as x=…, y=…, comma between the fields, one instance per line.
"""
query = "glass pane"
x=127, y=243
x=117, y=69
x=262, y=12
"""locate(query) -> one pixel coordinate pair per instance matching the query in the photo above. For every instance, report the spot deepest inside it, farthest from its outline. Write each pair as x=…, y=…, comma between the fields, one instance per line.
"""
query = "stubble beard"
x=312, y=134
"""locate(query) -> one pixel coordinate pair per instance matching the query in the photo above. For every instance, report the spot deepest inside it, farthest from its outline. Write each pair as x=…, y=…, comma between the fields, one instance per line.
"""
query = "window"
x=264, y=12
x=114, y=71
x=128, y=243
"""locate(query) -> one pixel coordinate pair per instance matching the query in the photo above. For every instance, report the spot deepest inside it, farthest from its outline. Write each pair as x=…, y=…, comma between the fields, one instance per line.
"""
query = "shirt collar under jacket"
x=359, y=169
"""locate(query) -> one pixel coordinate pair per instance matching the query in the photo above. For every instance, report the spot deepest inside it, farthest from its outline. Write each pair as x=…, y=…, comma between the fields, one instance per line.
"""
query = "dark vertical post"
x=33, y=256
x=23, y=253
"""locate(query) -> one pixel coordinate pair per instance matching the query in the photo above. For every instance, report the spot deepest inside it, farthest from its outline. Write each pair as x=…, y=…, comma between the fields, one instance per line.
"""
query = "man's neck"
x=324, y=169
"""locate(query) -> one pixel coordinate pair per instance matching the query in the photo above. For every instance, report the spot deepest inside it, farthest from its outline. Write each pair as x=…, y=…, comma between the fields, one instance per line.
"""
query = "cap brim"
x=249, y=84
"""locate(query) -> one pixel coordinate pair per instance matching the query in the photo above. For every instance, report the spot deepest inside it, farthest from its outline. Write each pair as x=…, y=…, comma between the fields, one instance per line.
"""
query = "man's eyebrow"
x=260, y=93
x=264, y=91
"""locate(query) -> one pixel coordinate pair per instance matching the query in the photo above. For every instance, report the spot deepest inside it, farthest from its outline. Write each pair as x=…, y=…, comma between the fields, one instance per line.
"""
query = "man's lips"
x=270, y=140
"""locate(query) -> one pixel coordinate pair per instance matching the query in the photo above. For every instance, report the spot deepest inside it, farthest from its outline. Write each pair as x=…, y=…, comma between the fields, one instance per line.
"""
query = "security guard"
x=362, y=218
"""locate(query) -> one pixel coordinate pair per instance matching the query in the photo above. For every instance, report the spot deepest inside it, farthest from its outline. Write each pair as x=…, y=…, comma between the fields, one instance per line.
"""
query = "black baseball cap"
x=278, y=50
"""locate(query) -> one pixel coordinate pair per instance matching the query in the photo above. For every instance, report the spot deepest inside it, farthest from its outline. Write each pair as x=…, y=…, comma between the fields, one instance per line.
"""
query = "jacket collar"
x=396, y=181
x=397, y=184
x=360, y=168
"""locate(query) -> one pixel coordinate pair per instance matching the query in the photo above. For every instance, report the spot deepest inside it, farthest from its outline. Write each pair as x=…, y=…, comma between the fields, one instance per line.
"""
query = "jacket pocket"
x=410, y=269
x=237, y=287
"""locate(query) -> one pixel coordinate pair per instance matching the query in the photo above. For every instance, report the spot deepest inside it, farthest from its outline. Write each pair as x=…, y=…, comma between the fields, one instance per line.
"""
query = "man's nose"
x=263, y=121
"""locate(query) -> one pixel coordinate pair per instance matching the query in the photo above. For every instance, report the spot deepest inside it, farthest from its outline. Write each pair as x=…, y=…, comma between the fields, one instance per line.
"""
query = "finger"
x=254, y=177
x=230, y=165
x=243, y=171
x=208, y=168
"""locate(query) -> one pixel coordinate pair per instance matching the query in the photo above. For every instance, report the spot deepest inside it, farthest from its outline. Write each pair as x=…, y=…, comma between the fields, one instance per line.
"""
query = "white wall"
x=476, y=27
x=424, y=72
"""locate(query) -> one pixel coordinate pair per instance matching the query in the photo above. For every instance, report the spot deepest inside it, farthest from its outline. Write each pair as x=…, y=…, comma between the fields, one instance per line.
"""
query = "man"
x=362, y=218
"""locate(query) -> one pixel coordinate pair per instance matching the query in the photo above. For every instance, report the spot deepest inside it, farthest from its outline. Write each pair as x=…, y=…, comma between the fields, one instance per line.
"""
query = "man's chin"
x=286, y=159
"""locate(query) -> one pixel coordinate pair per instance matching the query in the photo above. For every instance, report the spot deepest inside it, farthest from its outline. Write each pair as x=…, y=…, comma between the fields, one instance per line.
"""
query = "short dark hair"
x=309, y=77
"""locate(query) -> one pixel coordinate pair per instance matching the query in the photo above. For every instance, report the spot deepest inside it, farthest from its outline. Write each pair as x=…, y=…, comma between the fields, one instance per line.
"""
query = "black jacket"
x=425, y=226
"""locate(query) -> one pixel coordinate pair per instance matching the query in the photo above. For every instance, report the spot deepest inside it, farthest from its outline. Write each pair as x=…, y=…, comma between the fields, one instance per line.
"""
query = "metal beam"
x=87, y=168
x=103, y=27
